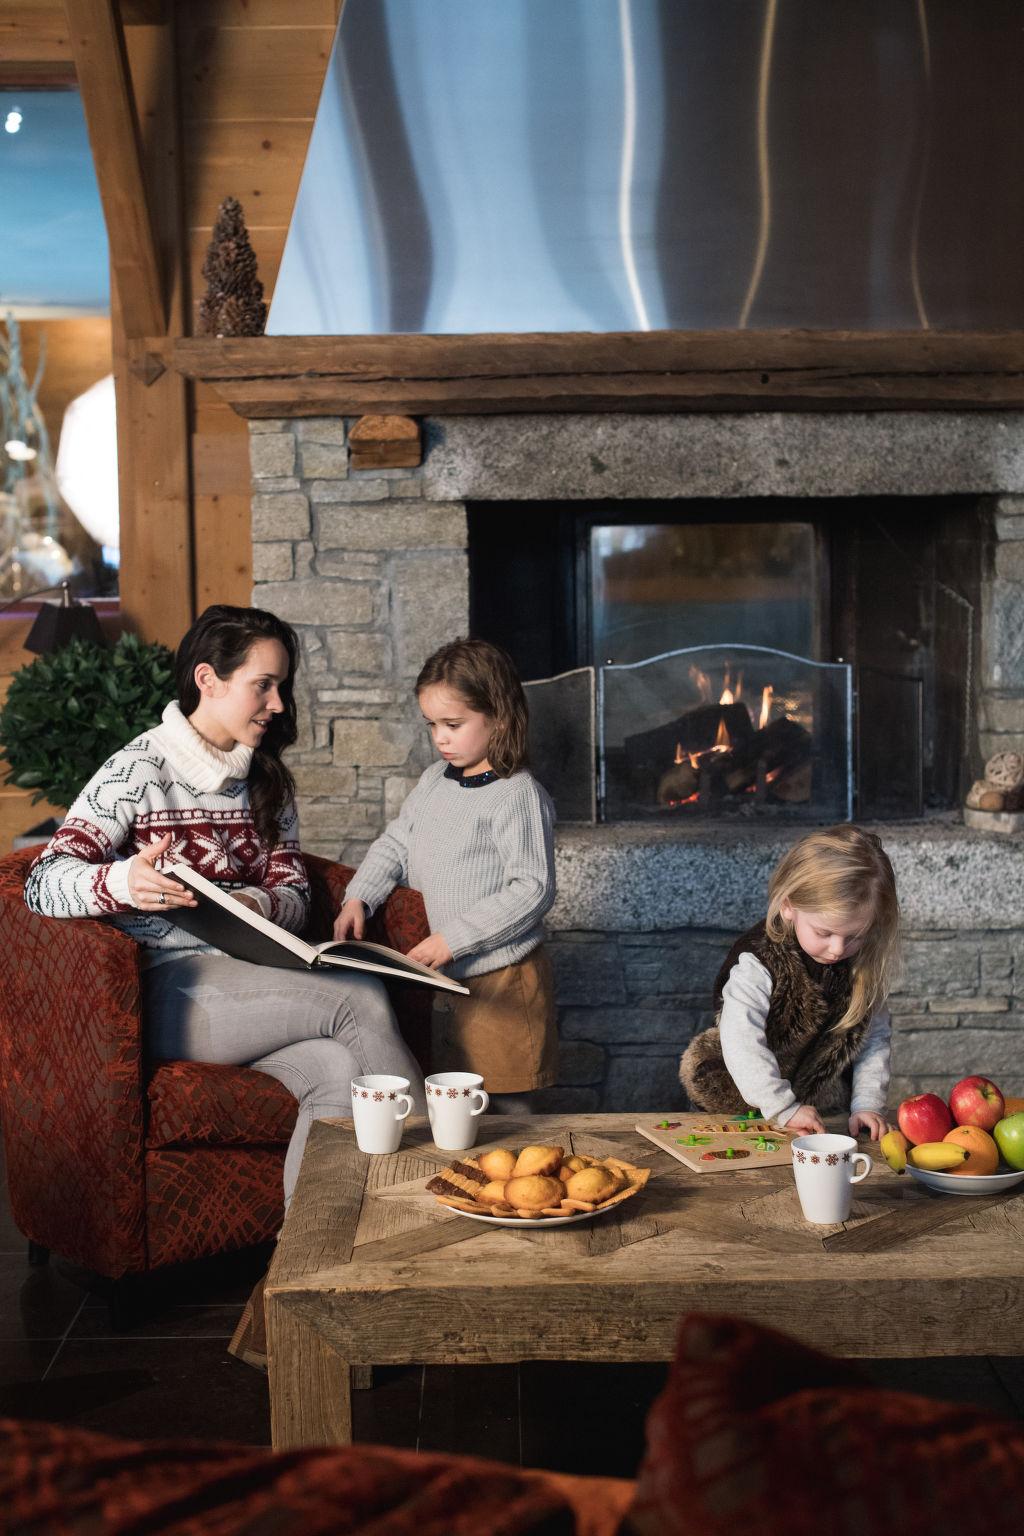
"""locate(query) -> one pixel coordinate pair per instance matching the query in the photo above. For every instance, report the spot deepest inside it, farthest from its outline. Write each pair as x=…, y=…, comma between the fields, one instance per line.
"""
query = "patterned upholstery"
x=756, y=1432
x=85, y=1484
x=114, y=1167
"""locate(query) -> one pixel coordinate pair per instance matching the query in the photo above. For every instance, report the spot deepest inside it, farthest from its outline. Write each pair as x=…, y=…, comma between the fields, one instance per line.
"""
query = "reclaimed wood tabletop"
x=371, y=1269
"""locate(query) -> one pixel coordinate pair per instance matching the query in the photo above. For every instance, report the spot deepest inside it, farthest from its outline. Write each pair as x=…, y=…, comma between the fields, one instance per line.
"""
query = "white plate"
x=540, y=1221
x=968, y=1183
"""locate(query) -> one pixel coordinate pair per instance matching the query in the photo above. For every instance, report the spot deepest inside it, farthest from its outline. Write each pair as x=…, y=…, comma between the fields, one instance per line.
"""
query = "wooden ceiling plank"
x=97, y=43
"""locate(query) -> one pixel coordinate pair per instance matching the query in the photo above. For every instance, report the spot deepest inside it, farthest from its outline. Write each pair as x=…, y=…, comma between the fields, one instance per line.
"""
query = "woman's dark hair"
x=222, y=636
x=485, y=676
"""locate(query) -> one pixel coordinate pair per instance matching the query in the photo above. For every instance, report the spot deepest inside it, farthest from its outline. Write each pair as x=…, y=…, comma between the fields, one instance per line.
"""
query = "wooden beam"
x=270, y=376
x=33, y=32
x=104, y=78
x=154, y=472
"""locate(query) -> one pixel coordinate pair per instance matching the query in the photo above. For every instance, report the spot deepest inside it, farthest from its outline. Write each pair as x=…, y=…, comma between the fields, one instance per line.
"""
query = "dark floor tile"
x=586, y=1418
x=34, y=1303
x=389, y=1413
x=188, y=1322
x=1010, y=1370
x=23, y=1363
x=473, y=1409
x=148, y=1389
x=972, y=1381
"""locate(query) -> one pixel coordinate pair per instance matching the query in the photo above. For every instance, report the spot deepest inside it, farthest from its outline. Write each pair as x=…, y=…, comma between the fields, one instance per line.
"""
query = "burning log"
x=678, y=784
x=647, y=752
x=781, y=746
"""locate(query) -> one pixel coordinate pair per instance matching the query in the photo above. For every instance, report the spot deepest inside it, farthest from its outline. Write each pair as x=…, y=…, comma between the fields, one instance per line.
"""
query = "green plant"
x=68, y=711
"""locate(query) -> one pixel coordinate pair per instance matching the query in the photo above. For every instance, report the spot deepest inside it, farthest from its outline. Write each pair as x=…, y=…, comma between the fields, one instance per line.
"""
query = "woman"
x=208, y=788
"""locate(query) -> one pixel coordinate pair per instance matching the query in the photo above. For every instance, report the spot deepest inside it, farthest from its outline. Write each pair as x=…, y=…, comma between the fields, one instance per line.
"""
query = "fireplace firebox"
x=790, y=658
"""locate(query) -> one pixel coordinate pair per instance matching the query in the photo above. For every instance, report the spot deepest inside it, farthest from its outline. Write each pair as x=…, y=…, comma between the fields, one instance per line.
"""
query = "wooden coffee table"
x=371, y=1270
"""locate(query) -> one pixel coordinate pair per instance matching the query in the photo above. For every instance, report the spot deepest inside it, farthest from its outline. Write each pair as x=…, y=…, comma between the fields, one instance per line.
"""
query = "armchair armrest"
x=71, y=1095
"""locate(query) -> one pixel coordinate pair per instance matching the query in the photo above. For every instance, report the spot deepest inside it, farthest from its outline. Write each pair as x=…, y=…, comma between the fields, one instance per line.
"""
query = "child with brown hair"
x=476, y=837
x=802, y=1025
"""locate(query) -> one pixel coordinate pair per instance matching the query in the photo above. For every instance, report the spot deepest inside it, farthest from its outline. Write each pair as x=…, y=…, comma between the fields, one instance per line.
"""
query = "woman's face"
x=827, y=937
x=461, y=735
x=241, y=706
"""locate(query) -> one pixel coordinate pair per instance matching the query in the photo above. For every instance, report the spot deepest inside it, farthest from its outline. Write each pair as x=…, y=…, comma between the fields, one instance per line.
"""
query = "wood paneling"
x=33, y=31
x=77, y=354
x=254, y=73
x=257, y=162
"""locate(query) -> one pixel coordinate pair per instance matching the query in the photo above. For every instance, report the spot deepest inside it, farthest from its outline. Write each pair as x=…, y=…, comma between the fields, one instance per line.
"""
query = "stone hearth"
x=371, y=567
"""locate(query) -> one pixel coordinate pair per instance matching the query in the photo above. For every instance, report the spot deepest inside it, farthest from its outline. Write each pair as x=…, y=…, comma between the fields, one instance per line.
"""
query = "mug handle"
x=486, y=1098
x=861, y=1157
x=408, y=1107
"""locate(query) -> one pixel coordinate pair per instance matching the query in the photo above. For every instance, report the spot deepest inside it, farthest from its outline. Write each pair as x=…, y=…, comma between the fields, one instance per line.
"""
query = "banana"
x=893, y=1147
x=938, y=1156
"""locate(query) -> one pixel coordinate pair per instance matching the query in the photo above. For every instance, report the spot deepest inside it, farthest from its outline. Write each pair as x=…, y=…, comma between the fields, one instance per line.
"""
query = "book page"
x=236, y=911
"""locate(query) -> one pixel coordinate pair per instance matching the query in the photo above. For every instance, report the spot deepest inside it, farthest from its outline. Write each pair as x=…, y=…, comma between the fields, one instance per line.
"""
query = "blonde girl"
x=476, y=837
x=802, y=1026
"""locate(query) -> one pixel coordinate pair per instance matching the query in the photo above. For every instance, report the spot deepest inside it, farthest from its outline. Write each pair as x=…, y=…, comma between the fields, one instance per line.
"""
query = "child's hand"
x=866, y=1120
x=350, y=921
x=433, y=952
x=806, y=1122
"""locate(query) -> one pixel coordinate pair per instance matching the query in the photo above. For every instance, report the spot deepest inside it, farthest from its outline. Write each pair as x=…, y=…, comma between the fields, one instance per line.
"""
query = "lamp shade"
x=57, y=623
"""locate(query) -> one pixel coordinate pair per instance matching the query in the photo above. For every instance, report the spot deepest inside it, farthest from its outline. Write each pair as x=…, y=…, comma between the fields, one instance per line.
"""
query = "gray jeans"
x=312, y=1030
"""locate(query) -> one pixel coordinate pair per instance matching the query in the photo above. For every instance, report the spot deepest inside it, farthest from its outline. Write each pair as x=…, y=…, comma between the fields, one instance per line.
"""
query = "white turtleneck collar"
x=204, y=765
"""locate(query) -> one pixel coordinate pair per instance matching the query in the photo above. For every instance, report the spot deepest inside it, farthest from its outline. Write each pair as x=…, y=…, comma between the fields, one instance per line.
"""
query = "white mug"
x=452, y=1110
x=823, y=1168
x=379, y=1105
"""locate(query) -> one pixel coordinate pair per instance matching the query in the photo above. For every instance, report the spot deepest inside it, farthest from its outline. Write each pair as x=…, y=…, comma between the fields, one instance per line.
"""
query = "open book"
x=226, y=924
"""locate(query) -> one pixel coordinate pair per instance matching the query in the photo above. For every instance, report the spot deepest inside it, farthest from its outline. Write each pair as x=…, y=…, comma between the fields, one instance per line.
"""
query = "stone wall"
x=373, y=576
x=371, y=569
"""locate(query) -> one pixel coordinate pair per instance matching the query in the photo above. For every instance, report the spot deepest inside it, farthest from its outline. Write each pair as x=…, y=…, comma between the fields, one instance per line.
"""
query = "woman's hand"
x=150, y=889
x=866, y=1120
x=247, y=901
x=350, y=921
x=433, y=952
x=806, y=1122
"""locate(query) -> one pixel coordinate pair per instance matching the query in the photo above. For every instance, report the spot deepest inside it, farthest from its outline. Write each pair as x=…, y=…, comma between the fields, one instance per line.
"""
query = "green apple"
x=1009, y=1135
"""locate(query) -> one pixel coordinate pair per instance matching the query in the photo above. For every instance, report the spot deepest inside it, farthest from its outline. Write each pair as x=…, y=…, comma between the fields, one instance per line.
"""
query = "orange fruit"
x=1012, y=1106
x=984, y=1156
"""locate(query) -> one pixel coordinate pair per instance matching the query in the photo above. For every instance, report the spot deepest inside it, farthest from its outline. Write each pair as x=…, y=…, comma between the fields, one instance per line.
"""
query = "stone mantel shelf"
x=638, y=877
x=289, y=376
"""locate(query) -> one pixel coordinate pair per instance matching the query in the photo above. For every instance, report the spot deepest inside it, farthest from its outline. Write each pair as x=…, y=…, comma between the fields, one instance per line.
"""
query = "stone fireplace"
x=373, y=568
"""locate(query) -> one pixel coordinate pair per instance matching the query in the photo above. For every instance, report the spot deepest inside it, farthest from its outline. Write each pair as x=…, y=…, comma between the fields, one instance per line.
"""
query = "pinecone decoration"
x=233, y=303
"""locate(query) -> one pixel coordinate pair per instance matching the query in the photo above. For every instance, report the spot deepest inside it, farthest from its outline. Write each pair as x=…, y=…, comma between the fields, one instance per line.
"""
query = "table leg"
x=310, y=1385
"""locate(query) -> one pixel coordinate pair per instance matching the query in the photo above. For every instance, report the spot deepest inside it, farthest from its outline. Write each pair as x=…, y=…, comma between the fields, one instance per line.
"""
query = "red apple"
x=976, y=1101
x=924, y=1118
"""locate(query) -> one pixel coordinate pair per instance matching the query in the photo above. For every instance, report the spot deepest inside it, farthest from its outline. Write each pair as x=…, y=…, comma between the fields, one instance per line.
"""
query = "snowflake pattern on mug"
x=832, y=1159
x=392, y=1095
x=846, y=1157
x=453, y=1093
x=378, y=1097
x=465, y=1093
x=815, y=1158
x=801, y=1157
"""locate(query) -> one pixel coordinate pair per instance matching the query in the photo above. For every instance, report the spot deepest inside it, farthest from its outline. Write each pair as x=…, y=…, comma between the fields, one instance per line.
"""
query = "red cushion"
x=77, y=1482
x=196, y=1104
x=757, y=1433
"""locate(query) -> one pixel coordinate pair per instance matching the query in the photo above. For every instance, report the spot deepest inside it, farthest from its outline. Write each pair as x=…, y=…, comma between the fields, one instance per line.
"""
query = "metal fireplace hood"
x=482, y=166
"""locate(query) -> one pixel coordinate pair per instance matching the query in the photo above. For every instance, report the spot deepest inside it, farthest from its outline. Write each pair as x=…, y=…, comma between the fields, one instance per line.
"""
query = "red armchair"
x=118, y=1164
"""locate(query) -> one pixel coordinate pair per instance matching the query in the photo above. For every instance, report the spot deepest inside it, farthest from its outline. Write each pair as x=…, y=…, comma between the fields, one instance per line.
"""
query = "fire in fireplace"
x=785, y=658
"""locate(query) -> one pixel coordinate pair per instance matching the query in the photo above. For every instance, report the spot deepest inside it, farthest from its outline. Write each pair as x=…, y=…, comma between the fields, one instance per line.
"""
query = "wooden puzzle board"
x=693, y=1139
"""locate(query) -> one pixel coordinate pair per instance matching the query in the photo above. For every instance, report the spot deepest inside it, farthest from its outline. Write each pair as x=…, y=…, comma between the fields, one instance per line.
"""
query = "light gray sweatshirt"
x=483, y=857
x=752, y=1066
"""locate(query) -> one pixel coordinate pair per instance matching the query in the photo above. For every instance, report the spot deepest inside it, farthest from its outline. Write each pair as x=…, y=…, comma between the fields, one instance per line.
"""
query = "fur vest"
x=807, y=1000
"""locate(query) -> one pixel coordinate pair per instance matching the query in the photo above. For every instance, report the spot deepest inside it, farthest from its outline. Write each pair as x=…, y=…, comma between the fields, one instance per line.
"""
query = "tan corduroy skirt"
x=506, y=1029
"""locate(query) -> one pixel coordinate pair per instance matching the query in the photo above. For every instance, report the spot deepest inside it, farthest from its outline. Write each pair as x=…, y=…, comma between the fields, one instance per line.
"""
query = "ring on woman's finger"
x=162, y=898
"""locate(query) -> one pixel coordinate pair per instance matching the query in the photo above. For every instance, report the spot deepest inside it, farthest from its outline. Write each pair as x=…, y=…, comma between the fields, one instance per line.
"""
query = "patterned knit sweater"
x=483, y=858
x=169, y=779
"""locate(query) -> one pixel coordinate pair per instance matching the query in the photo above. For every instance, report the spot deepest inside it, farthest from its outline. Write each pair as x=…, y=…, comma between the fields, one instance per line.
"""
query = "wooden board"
x=701, y=1145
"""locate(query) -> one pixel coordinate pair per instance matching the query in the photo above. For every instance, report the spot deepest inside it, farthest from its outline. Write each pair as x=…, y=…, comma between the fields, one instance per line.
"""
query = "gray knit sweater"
x=483, y=858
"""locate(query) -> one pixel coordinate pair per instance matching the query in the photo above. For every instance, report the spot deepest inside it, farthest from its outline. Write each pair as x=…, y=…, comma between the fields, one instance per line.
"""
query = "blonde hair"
x=485, y=677
x=838, y=872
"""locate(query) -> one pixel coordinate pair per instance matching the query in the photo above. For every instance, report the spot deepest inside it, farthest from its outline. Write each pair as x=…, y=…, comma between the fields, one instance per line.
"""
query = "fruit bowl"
x=968, y=1183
